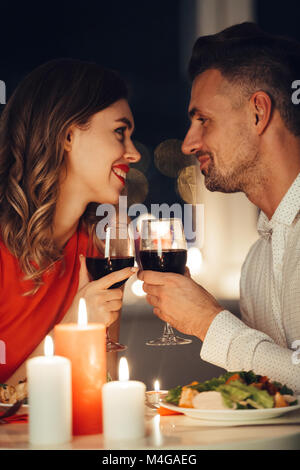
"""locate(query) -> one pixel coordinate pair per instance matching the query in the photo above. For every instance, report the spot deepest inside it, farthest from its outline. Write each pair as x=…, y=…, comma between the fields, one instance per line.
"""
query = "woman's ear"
x=69, y=140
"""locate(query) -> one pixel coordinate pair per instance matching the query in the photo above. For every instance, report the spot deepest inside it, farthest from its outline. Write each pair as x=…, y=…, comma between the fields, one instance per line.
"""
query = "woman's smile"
x=121, y=171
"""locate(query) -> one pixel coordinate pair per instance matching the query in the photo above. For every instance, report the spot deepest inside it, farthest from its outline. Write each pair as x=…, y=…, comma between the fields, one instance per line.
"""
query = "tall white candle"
x=50, y=398
x=123, y=407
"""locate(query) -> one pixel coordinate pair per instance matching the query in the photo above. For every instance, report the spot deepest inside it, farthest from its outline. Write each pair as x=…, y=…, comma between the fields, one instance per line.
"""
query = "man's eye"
x=202, y=120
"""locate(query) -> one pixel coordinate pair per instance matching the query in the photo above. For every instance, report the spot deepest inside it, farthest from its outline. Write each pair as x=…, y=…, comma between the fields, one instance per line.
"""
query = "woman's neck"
x=69, y=208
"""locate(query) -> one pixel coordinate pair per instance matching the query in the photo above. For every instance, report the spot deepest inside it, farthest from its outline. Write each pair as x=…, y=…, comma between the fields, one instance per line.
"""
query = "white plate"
x=233, y=415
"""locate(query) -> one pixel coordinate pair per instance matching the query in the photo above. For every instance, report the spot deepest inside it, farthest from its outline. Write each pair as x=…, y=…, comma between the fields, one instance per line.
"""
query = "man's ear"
x=261, y=105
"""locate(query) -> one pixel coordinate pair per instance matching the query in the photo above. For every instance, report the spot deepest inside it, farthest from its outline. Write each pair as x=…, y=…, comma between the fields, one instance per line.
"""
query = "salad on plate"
x=233, y=390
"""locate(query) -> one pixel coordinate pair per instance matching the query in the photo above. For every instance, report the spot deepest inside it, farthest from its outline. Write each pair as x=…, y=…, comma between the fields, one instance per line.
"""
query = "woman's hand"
x=103, y=304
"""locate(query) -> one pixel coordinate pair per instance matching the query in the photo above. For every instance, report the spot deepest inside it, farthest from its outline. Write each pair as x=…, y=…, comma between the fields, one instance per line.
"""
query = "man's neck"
x=268, y=194
x=278, y=168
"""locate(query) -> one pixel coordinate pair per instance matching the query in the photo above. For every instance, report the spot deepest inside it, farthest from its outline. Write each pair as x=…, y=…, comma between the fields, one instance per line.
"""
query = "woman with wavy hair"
x=62, y=133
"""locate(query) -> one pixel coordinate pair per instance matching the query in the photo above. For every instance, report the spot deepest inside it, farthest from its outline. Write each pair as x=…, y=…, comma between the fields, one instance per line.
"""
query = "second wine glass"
x=112, y=254
x=163, y=248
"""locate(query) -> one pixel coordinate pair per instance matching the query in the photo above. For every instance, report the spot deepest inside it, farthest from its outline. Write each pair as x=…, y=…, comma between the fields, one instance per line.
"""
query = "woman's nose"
x=132, y=154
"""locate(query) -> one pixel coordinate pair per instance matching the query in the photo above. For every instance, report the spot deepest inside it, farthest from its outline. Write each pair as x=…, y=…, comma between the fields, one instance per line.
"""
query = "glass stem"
x=107, y=336
x=168, y=330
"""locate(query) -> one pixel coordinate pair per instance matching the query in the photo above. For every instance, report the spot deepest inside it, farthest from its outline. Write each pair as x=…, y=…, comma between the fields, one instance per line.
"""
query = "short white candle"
x=50, y=398
x=124, y=407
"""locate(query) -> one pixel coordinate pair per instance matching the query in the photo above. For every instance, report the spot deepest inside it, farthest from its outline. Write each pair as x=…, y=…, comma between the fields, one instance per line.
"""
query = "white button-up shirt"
x=266, y=338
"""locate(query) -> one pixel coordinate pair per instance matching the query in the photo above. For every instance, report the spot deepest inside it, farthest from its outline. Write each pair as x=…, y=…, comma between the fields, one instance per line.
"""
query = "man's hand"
x=180, y=301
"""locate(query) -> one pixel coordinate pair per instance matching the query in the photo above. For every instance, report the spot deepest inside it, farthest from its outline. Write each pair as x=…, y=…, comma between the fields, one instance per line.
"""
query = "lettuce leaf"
x=239, y=392
x=174, y=395
x=234, y=392
x=283, y=389
x=228, y=402
x=212, y=384
x=249, y=377
x=262, y=398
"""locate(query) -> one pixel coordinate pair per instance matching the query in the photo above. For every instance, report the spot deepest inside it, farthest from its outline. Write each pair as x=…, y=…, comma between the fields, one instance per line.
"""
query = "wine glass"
x=105, y=256
x=163, y=248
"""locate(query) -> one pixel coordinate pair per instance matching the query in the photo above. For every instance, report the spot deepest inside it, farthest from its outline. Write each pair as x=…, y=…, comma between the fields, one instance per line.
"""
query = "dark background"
x=144, y=42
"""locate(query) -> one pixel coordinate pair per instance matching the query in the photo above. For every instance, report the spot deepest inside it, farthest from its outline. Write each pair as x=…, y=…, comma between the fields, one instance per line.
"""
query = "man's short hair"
x=247, y=56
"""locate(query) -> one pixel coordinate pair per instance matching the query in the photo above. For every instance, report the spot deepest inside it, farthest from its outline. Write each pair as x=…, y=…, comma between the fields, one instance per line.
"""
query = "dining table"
x=177, y=432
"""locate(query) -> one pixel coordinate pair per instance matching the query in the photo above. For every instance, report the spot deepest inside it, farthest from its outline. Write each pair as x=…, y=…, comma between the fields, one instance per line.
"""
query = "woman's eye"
x=121, y=131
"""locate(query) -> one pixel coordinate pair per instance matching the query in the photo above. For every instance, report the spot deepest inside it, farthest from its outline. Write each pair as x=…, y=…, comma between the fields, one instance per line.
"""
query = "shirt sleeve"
x=232, y=345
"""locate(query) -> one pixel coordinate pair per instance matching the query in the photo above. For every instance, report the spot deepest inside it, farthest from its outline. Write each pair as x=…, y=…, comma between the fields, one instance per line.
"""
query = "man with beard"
x=245, y=133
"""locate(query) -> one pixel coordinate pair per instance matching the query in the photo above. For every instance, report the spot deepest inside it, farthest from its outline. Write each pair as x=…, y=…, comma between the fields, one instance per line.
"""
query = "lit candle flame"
x=156, y=386
x=48, y=346
x=123, y=370
x=82, y=314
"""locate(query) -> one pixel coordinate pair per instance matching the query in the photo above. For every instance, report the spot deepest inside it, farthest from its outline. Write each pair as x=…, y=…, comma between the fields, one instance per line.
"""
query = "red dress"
x=25, y=321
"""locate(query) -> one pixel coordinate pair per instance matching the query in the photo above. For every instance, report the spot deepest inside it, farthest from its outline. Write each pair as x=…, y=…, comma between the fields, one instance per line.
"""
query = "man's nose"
x=192, y=142
x=132, y=154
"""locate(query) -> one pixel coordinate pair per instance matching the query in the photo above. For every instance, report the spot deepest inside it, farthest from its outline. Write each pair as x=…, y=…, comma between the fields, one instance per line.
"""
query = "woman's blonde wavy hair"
x=33, y=129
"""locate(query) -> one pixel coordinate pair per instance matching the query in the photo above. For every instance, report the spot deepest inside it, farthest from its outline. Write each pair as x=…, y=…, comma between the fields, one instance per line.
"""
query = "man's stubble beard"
x=243, y=177
x=238, y=180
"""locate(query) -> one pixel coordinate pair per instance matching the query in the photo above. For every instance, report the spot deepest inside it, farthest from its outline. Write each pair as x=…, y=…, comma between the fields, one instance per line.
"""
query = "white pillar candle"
x=124, y=407
x=50, y=398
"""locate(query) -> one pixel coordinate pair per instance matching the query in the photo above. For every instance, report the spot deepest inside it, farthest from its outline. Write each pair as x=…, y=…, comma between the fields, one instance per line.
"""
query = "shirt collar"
x=285, y=213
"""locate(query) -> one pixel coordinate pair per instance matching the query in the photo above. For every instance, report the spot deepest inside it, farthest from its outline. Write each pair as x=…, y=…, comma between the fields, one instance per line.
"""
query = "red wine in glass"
x=172, y=261
x=100, y=267
x=163, y=248
x=104, y=258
